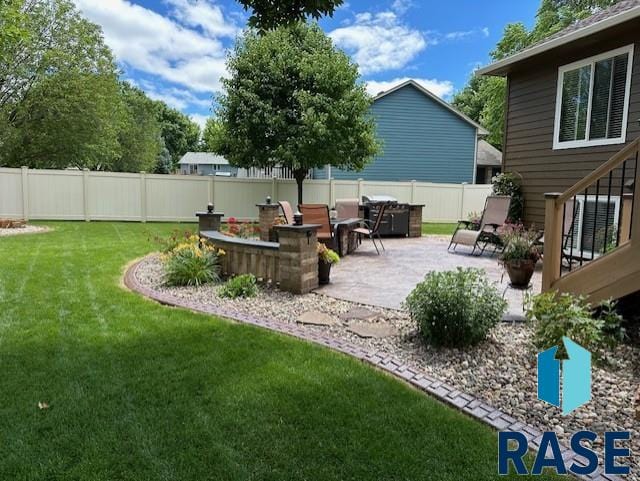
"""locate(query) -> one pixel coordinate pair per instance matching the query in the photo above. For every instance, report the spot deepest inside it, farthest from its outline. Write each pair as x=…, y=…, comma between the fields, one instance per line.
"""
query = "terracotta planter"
x=520, y=272
x=324, y=272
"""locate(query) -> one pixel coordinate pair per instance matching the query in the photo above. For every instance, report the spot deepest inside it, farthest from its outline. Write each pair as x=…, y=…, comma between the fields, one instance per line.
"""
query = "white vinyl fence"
x=84, y=195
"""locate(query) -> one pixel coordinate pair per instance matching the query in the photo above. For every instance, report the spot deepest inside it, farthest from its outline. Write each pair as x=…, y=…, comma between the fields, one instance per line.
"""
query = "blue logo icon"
x=571, y=377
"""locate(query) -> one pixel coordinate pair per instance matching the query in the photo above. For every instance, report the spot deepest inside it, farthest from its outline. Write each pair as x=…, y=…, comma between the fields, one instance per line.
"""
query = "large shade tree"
x=293, y=100
x=270, y=14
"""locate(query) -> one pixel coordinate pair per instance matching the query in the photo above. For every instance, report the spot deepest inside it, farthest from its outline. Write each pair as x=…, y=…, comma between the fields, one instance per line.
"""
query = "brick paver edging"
x=442, y=391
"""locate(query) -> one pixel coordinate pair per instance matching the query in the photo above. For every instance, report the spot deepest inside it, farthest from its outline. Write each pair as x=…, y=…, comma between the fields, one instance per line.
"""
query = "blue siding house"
x=424, y=139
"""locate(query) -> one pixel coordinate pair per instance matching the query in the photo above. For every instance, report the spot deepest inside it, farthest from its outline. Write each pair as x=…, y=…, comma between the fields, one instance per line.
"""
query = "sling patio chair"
x=287, y=211
x=347, y=208
x=494, y=216
x=318, y=214
x=372, y=230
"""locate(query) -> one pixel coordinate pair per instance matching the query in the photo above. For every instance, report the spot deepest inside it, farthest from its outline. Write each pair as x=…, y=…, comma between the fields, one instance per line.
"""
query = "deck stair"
x=592, y=238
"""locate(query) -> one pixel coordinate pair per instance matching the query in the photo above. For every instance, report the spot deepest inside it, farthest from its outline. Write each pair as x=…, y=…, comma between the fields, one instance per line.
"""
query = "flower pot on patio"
x=520, y=272
x=326, y=258
x=324, y=272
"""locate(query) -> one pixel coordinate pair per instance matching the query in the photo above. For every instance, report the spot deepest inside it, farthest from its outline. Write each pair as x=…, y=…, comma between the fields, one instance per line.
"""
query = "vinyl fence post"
x=274, y=188
x=360, y=188
x=462, y=189
x=25, y=192
x=413, y=191
x=211, y=190
x=143, y=196
x=85, y=193
x=332, y=193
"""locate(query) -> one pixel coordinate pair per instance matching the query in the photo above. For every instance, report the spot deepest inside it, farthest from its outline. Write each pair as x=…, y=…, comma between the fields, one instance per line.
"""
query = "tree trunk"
x=300, y=175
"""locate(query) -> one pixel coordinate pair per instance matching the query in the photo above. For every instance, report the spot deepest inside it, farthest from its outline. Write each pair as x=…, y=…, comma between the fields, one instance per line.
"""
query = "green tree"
x=213, y=136
x=483, y=99
x=179, y=132
x=164, y=165
x=140, y=136
x=294, y=100
x=267, y=14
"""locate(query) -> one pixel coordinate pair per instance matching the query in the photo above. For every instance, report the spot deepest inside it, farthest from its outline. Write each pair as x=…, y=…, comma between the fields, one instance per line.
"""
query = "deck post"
x=634, y=221
x=552, y=241
x=625, y=221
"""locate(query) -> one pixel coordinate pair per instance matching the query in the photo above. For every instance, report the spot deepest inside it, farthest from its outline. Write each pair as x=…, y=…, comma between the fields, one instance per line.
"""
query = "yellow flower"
x=221, y=252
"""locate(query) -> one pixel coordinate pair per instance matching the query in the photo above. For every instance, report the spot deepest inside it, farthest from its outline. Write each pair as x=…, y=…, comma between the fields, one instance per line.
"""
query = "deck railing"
x=592, y=219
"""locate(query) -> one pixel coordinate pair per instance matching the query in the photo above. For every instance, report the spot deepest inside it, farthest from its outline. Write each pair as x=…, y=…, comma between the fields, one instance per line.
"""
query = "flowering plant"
x=327, y=255
x=192, y=262
x=520, y=243
x=242, y=229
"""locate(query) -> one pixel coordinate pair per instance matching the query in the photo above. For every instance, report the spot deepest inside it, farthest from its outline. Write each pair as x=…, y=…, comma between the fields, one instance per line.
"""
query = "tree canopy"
x=292, y=99
x=483, y=98
x=269, y=14
x=62, y=103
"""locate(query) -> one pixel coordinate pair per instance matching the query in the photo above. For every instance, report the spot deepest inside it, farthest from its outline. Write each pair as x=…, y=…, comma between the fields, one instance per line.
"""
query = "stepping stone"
x=372, y=329
x=358, y=313
x=316, y=318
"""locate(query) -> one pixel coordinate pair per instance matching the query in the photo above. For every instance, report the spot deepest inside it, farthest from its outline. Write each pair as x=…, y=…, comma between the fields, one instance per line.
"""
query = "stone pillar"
x=298, y=257
x=415, y=220
x=209, y=221
x=267, y=214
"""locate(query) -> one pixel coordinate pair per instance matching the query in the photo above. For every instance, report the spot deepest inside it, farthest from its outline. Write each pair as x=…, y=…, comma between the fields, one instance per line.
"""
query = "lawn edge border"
x=467, y=404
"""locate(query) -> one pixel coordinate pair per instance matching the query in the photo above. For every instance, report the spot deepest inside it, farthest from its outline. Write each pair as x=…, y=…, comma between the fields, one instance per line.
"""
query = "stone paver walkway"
x=386, y=280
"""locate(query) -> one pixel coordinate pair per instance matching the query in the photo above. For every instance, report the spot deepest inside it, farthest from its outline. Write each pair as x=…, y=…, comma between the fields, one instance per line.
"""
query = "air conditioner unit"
x=595, y=226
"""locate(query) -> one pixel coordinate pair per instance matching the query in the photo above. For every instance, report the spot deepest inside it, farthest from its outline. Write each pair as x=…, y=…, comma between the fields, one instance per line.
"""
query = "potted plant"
x=326, y=258
x=521, y=253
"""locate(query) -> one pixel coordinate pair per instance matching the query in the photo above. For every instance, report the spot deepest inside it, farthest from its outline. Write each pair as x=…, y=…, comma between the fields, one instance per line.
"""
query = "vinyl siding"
x=422, y=141
x=531, y=116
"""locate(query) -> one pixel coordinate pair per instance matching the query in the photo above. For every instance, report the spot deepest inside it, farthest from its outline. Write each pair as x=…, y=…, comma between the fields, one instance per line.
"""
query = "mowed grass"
x=139, y=391
x=438, y=229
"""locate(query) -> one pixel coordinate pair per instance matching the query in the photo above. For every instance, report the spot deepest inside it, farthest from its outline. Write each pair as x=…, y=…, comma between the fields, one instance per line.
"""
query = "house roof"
x=488, y=155
x=203, y=158
x=604, y=19
x=435, y=98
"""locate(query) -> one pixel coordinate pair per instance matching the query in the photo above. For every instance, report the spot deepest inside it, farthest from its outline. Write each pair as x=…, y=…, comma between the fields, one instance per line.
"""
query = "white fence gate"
x=84, y=195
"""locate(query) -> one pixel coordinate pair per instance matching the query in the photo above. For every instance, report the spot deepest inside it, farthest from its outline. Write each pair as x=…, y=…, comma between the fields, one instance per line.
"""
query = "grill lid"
x=378, y=199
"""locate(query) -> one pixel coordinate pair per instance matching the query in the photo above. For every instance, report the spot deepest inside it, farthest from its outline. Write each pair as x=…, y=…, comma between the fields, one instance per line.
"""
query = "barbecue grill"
x=395, y=221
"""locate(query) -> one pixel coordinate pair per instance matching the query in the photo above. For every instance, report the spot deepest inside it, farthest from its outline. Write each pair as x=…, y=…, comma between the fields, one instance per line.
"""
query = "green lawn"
x=138, y=391
x=438, y=229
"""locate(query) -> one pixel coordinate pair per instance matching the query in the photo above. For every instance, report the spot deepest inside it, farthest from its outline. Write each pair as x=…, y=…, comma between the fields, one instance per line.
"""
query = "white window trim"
x=572, y=144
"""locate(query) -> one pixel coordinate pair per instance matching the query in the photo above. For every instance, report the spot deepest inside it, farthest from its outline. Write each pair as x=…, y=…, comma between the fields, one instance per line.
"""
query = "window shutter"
x=618, y=90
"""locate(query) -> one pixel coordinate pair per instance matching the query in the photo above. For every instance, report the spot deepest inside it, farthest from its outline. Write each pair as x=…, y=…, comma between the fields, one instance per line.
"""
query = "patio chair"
x=373, y=230
x=287, y=211
x=494, y=216
x=347, y=208
x=318, y=214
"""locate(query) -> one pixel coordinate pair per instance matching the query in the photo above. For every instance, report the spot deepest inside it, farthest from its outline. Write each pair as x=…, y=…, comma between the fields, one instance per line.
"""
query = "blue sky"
x=175, y=49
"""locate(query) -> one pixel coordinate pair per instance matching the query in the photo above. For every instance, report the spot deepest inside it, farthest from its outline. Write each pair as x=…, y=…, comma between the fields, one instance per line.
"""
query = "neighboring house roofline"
x=501, y=67
x=432, y=96
x=202, y=158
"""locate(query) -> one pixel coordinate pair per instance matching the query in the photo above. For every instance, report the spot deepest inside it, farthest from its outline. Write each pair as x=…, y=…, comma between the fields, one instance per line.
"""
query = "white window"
x=592, y=102
x=193, y=169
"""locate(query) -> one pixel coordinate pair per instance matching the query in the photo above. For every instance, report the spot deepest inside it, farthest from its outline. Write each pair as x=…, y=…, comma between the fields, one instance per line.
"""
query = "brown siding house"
x=568, y=106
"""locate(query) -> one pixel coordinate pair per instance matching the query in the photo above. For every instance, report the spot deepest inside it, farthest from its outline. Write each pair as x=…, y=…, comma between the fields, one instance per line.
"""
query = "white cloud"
x=152, y=43
x=379, y=42
x=464, y=34
x=440, y=88
x=401, y=6
x=201, y=120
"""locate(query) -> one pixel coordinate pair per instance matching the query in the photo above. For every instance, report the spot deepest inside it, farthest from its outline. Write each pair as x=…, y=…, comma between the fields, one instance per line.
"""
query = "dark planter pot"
x=324, y=272
x=520, y=272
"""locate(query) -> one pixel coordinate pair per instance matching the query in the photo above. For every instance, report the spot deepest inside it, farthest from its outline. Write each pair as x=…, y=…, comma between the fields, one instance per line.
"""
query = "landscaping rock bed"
x=22, y=229
x=501, y=370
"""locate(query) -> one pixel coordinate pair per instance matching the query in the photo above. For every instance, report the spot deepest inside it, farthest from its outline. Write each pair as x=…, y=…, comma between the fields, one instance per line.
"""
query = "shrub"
x=510, y=184
x=455, y=308
x=244, y=285
x=192, y=263
x=558, y=315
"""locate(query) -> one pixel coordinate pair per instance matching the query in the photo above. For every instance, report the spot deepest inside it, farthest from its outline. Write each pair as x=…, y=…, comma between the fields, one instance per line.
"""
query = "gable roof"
x=604, y=19
x=488, y=155
x=202, y=158
x=435, y=98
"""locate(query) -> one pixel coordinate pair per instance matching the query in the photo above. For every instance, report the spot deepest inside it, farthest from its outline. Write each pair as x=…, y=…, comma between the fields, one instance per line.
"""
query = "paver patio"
x=386, y=280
